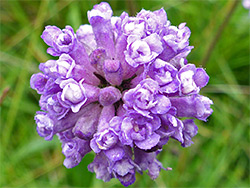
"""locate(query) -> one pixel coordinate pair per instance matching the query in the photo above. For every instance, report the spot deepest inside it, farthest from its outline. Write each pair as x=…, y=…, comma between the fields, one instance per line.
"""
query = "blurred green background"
x=220, y=155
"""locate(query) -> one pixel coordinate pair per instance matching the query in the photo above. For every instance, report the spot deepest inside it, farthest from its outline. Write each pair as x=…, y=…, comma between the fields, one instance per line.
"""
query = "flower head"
x=119, y=88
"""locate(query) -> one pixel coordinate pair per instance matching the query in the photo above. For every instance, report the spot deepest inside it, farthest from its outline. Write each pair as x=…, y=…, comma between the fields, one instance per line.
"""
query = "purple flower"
x=86, y=125
x=38, y=82
x=62, y=68
x=44, y=84
x=105, y=169
x=113, y=71
x=154, y=21
x=102, y=10
x=148, y=161
x=49, y=125
x=145, y=99
x=165, y=74
x=171, y=127
x=180, y=60
x=86, y=36
x=104, y=140
x=142, y=51
x=192, y=79
x=175, y=41
x=52, y=104
x=100, y=19
x=124, y=170
x=133, y=26
x=109, y=96
x=101, y=167
x=74, y=150
x=45, y=125
x=60, y=41
x=196, y=106
x=97, y=58
x=120, y=87
x=189, y=131
x=140, y=131
x=75, y=94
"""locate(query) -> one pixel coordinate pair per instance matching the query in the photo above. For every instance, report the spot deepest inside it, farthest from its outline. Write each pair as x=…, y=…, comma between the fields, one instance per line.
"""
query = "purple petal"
x=53, y=52
x=102, y=28
x=86, y=36
x=115, y=153
x=113, y=72
x=86, y=125
x=201, y=78
x=100, y=166
x=128, y=179
x=189, y=131
x=45, y=125
x=50, y=34
x=123, y=167
x=196, y=106
x=148, y=143
x=38, y=82
x=163, y=105
x=109, y=96
x=108, y=112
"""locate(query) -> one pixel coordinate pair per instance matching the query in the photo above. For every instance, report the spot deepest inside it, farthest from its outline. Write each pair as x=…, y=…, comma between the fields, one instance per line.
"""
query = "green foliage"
x=220, y=155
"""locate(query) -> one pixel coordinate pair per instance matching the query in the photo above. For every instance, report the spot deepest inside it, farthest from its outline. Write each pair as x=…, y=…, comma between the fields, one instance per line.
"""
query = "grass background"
x=220, y=155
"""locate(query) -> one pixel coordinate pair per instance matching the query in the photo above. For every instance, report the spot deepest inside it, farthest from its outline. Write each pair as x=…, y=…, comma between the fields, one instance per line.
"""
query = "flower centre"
x=64, y=39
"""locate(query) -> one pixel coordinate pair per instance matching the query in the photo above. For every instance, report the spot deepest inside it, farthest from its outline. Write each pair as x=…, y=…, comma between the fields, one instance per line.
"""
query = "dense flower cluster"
x=121, y=88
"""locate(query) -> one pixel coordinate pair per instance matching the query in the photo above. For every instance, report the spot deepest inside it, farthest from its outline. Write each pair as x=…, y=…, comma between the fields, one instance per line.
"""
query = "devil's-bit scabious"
x=121, y=87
